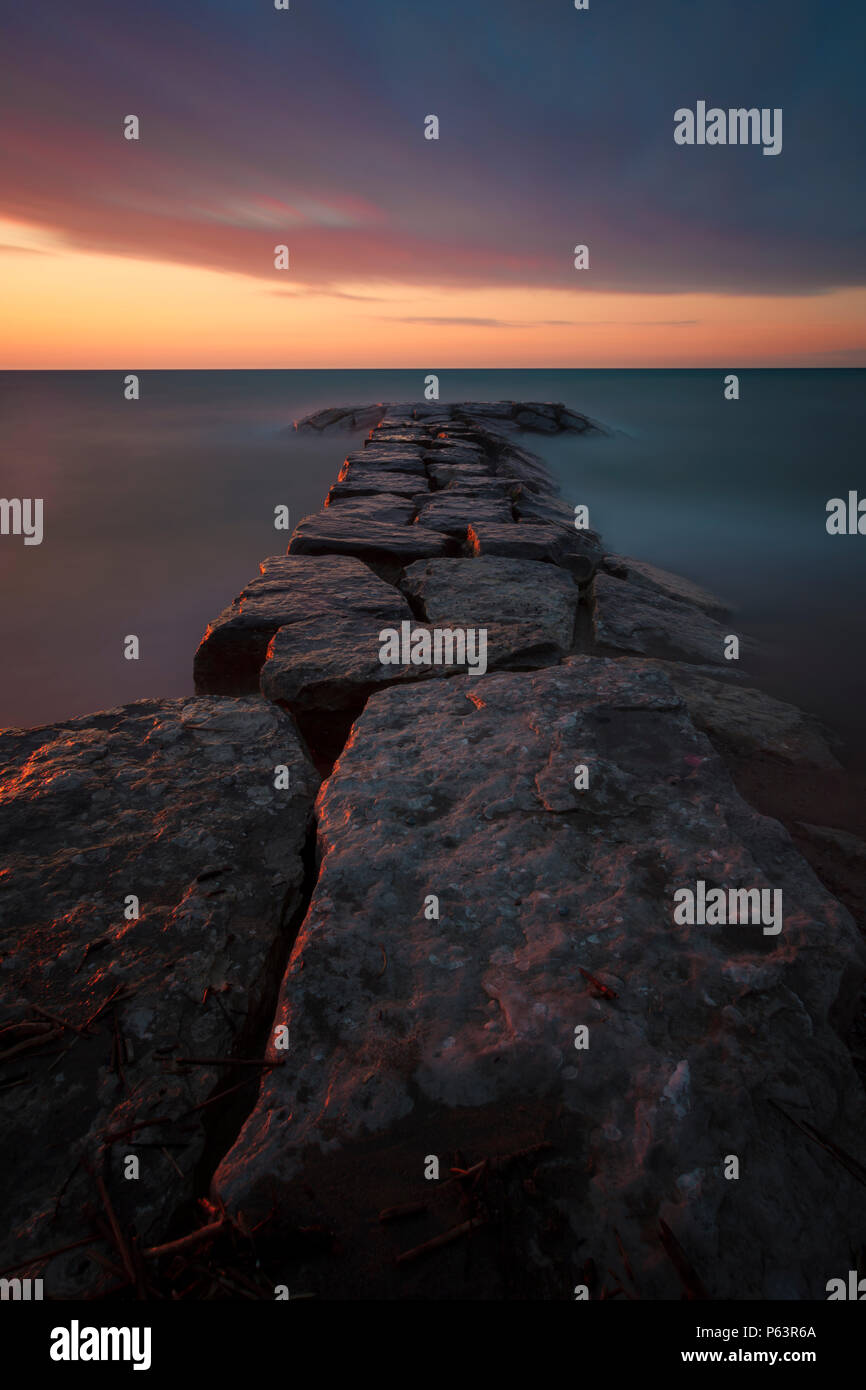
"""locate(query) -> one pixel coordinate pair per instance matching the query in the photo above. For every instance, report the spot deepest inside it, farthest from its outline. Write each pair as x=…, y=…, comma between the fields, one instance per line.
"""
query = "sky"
x=305, y=127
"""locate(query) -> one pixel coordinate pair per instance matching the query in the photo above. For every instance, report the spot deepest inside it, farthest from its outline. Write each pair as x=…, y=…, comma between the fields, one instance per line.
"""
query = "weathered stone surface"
x=330, y=533
x=663, y=582
x=527, y=469
x=310, y=667
x=851, y=847
x=381, y=506
x=478, y=487
x=368, y=463
x=325, y=672
x=443, y=472
x=451, y=512
x=576, y=551
x=533, y=506
x=456, y=456
x=290, y=589
x=362, y=417
x=750, y=720
x=370, y=482
x=490, y=589
x=541, y=417
x=172, y=801
x=403, y=1026
x=637, y=618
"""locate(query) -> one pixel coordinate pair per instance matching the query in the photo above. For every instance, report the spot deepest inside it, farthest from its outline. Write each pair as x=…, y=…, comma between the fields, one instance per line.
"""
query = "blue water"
x=158, y=511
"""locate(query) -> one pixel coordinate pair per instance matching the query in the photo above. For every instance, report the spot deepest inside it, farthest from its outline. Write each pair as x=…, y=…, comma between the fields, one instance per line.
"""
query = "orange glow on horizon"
x=68, y=309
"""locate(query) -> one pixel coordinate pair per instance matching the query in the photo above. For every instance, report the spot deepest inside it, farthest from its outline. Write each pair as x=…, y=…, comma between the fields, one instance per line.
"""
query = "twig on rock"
x=446, y=1238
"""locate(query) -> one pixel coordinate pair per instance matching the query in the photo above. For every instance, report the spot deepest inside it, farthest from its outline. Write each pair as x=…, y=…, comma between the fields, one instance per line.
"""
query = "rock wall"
x=450, y=888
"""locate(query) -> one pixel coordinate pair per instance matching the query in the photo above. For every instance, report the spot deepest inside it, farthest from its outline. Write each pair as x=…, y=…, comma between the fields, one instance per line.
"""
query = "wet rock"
x=407, y=1023
x=490, y=589
x=638, y=618
x=290, y=589
x=172, y=801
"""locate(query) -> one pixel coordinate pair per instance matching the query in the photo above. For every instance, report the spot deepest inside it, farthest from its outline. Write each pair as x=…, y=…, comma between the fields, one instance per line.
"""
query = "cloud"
x=324, y=292
x=446, y=320
x=257, y=131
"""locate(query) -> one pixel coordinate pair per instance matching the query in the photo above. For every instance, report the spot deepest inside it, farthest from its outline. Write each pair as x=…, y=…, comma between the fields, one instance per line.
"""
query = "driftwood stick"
x=177, y=1247
x=116, y=1231
x=398, y=1213
x=446, y=1238
x=226, y=1062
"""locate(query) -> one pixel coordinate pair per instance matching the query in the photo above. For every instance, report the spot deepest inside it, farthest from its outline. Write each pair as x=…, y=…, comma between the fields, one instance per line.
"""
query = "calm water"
x=157, y=511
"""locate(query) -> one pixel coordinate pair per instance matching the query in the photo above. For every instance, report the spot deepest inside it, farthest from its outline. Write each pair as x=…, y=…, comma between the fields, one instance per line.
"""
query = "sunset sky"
x=306, y=127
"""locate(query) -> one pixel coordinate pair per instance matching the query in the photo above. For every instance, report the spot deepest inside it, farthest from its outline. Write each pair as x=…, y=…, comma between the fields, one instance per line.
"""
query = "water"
x=158, y=511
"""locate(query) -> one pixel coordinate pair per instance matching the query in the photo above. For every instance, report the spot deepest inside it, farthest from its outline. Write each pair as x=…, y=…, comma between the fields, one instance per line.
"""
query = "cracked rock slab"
x=388, y=458
x=489, y=589
x=173, y=802
x=573, y=550
x=290, y=589
x=661, y=581
x=368, y=482
x=329, y=532
x=360, y=417
x=327, y=672
x=402, y=1023
x=382, y=506
x=452, y=513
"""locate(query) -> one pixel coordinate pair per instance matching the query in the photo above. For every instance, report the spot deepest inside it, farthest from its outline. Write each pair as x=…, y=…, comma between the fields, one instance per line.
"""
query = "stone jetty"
x=380, y=964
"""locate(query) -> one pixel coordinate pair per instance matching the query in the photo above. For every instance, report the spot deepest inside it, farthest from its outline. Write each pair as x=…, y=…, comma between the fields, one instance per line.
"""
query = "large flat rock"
x=347, y=417
x=290, y=589
x=329, y=532
x=172, y=801
x=411, y=1035
x=381, y=507
x=637, y=617
x=490, y=589
x=750, y=721
x=661, y=581
x=576, y=551
x=444, y=471
x=453, y=512
x=328, y=672
x=368, y=482
x=387, y=458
